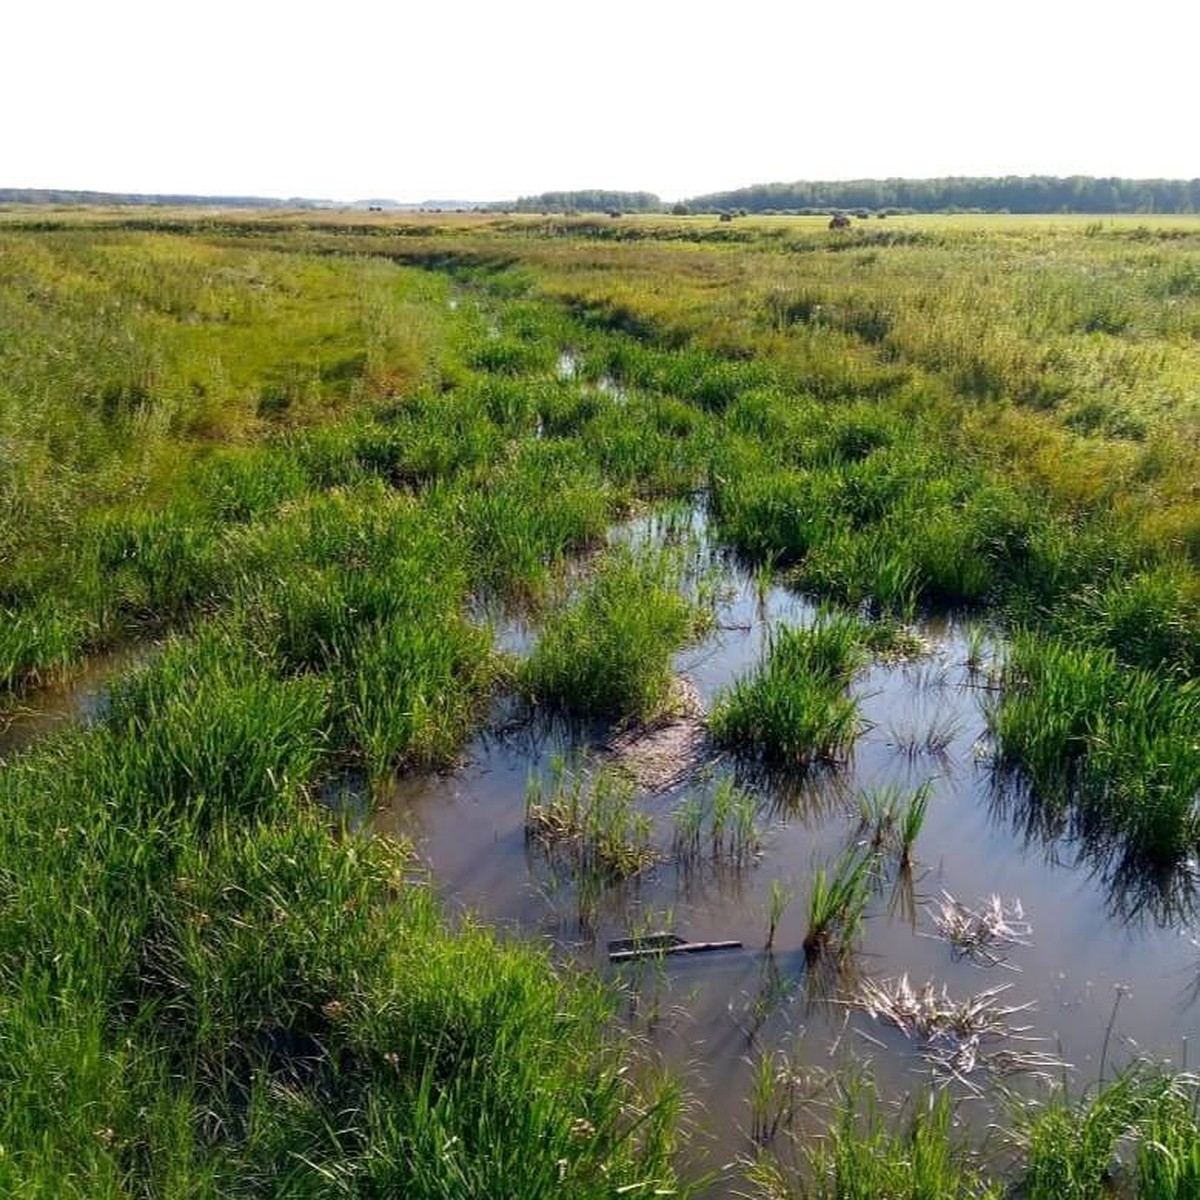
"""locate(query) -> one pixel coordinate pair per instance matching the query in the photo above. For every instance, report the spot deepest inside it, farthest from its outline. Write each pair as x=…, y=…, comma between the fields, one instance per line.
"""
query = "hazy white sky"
x=485, y=101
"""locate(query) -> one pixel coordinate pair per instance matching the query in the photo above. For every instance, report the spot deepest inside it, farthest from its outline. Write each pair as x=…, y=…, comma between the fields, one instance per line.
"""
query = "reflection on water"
x=1136, y=891
x=1098, y=921
x=82, y=696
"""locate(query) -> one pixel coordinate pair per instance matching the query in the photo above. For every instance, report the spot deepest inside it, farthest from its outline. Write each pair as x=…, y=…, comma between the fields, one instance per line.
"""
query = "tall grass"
x=863, y=1156
x=608, y=652
x=1110, y=745
x=1071, y=1146
x=272, y=440
x=794, y=708
x=187, y=948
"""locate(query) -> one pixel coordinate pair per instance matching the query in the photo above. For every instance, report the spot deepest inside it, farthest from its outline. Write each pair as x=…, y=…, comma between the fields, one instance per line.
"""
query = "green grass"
x=794, y=709
x=718, y=828
x=185, y=948
x=865, y=1154
x=1168, y=1160
x=1073, y=1147
x=837, y=905
x=608, y=652
x=890, y=820
x=593, y=821
x=1113, y=747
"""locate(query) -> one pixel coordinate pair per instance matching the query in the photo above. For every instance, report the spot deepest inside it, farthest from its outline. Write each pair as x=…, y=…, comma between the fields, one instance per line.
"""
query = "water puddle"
x=82, y=697
x=569, y=368
x=1097, y=938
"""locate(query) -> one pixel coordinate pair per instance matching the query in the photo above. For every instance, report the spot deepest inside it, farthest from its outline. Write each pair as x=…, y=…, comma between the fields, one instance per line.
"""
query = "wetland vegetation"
x=326, y=485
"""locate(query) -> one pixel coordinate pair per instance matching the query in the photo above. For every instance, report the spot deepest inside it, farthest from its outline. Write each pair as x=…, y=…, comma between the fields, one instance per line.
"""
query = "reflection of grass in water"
x=933, y=739
x=1135, y=890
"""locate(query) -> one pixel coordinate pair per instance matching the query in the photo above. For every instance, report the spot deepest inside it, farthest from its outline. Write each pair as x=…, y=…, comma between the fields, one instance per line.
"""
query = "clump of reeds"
x=867, y=1153
x=891, y=820
x=721, y=828
x=982, y=933
x=877, y=815
x=794, y=709
x=837, y=905
x=1110, y=746
x=780, y=1086
x=780, y=899
x=912, y=819
x=1073, y=1148
x=593, y=819
x=608, y=653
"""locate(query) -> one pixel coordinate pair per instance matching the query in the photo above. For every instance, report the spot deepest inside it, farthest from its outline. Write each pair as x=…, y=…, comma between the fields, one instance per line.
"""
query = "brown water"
x=81, y=696
x=1096, y=934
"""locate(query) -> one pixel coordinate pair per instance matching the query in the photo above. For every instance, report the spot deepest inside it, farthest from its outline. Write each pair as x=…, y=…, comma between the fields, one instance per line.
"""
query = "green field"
x=295, y=457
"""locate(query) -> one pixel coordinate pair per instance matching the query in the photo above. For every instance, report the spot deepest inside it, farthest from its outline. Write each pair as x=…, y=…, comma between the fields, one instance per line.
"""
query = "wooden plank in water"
x=631, y=949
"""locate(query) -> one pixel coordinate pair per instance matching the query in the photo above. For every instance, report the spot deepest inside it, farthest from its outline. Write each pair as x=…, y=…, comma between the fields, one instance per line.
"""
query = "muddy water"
x=81, y=697
x=1096, y=937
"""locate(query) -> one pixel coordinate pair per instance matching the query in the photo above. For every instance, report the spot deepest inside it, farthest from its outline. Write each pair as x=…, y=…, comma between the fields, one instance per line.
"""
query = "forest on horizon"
x=1015, y=194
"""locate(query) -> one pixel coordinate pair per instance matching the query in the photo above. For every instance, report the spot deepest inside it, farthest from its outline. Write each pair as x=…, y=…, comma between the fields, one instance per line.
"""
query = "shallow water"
x=569, y=368
x=1098, y=939
x=1099, y=936
x=81, y=697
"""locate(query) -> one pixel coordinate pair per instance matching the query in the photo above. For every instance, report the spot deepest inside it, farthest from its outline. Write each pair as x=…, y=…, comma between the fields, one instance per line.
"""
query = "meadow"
x=306, y=464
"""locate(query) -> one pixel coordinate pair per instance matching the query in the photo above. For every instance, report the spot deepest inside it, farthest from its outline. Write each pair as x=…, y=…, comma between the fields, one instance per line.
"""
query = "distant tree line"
x=1018, y=194
x=60, y=196
x=589, y=201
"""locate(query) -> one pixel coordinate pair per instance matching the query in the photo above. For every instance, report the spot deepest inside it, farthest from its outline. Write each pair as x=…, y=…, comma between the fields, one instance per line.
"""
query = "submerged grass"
x=593, y=820
x=721, y=828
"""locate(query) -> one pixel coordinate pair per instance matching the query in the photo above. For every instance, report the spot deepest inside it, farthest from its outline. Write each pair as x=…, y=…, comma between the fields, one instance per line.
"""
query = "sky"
x=477, y=101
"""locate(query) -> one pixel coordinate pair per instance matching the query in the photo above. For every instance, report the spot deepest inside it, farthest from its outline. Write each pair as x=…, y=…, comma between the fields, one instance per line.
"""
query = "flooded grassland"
x=400, y=622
